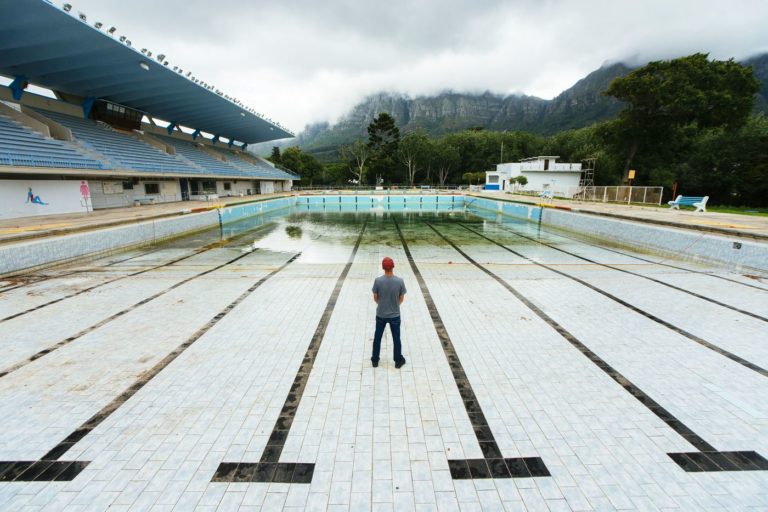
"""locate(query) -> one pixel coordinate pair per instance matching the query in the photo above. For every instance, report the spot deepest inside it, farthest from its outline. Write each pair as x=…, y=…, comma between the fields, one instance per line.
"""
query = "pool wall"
x=517, y=211
x=28, y=255
x=734, y=252
x=731, y=251
x=383, y=202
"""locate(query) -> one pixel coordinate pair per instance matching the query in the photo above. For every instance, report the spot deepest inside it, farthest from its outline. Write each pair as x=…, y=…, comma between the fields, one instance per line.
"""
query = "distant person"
x=388, y=293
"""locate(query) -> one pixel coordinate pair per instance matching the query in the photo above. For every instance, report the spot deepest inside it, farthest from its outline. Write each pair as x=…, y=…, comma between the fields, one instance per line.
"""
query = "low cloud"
x=305, y=61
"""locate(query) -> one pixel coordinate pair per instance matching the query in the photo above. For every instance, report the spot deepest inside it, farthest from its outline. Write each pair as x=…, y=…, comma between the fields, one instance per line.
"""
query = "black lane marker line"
x=493, y=464
x=50, y=468
x=269, y=468
x=678, y=288
x=85, y=290
x=660, y=263
x=205, y=248
x=110, y=318
x=743, y=460
x=690, y=336
x=49, y=277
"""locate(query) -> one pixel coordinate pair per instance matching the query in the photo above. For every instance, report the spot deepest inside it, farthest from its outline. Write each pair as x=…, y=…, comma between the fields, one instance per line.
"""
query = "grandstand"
x=122, y=125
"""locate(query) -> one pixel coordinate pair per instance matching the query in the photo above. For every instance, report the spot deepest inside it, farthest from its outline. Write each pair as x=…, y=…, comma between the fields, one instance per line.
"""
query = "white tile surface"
x=381, y=438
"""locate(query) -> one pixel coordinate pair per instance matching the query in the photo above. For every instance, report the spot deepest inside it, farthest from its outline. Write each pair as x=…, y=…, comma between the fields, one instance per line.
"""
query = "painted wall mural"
x=25, y=198
x=32, y=198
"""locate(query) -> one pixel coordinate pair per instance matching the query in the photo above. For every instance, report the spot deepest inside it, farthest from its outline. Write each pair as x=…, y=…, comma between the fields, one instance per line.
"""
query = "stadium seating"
x=194, y=154
x=23, y=147
x=124, y=151
x=259, y=167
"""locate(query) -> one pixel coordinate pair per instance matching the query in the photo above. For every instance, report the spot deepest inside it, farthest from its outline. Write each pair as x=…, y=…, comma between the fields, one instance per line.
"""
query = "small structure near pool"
x=543, y=173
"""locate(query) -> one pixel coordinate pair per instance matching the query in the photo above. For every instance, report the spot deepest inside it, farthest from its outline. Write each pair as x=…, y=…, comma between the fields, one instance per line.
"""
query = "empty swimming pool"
x=231, y=369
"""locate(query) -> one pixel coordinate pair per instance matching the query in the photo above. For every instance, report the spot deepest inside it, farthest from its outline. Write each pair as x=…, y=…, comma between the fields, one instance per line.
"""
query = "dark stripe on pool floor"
x=200, y=250
x=692, y=337
x=649, y=278
x=21, y=471
x=677, y=425
x=494, y=464
x=40, y=279
x=661, y=263
x=110, y=318
x=269, y=468
x=88, y=289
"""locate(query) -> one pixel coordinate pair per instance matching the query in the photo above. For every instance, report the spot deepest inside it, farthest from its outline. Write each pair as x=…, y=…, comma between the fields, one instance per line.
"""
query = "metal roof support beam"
x=88, y=106
x=244, y=146
x=215, y=139
x=231, y=143
x=195, y=134
x=17, y=86
x=172, y=126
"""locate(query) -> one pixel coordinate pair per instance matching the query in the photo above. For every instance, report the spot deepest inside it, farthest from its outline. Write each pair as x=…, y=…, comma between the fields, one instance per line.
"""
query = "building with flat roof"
x=543, y=173
x=117, y=125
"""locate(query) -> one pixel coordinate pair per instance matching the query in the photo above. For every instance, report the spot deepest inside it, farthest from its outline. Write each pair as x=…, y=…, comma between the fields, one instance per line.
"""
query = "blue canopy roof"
x=43, y=45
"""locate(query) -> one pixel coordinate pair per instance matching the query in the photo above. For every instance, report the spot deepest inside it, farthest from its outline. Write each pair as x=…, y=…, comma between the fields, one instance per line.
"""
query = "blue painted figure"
x=32, y=198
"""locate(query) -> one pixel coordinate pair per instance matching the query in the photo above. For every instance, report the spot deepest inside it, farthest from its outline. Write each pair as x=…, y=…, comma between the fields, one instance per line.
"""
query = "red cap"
x=387, y=263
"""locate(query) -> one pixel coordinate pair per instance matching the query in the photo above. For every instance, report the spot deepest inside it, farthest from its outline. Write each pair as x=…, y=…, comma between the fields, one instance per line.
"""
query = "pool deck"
x=26, y=228
x=750, y=226
x=202, y=376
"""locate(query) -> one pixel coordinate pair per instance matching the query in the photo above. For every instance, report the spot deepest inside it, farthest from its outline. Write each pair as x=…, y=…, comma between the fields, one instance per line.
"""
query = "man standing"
x=388, y=293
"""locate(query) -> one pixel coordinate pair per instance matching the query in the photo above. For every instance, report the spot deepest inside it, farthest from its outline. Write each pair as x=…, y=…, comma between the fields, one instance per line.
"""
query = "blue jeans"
x=394, y=326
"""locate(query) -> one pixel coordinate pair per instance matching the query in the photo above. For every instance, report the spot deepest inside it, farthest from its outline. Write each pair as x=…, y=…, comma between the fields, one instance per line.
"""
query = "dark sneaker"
x=374, y=363
x=399, y=364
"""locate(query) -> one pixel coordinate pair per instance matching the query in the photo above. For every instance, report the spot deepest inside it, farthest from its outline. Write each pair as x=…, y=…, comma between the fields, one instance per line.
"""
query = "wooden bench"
x=700, y=203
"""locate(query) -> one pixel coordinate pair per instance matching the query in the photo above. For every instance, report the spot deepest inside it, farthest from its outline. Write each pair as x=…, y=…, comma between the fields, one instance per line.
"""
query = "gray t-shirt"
x=389, y=288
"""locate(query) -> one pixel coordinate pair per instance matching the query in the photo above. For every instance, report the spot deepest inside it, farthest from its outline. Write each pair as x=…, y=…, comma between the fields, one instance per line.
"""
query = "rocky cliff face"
x=579, y=106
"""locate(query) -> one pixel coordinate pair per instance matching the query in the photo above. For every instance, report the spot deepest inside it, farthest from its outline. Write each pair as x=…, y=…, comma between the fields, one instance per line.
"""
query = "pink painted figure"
x=84, y=190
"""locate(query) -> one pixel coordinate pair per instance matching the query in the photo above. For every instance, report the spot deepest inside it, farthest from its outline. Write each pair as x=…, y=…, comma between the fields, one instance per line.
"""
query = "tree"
x=667, y=95
x=336, y=174
x=356, y=155
x=520, y=180
x=412, y=152
x=304, y=164
x=275, y=156
x=445, y=159
x=291, y=159
x=383, y=141
x=311, y=168
x=474, y=177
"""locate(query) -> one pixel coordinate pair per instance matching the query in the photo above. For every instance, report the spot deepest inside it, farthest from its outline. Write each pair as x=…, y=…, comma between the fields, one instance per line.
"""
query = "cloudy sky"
x=301, y=61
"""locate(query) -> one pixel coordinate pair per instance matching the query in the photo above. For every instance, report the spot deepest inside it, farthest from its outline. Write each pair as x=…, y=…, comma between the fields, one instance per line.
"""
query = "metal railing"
x=612, y=194
x=368, y=190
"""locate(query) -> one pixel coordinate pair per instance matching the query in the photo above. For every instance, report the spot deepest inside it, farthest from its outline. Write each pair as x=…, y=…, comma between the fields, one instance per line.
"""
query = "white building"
x=542, y=172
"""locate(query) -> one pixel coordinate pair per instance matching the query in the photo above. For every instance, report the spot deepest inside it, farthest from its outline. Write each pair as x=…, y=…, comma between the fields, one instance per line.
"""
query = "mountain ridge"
x=580, y=105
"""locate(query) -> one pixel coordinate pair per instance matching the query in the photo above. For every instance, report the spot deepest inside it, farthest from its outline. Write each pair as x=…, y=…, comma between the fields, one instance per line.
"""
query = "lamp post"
x=501, y=152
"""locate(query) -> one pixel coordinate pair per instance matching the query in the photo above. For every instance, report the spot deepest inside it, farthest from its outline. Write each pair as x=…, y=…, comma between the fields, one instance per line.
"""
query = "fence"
x=615, y=194
x=367, y=190
x=621, y=194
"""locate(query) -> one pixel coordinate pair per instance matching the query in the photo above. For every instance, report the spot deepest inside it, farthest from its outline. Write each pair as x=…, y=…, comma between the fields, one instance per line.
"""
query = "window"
x=227, y=186
x=493, y=178
x=127, y=185
x=209, y=187
x=151, y=188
